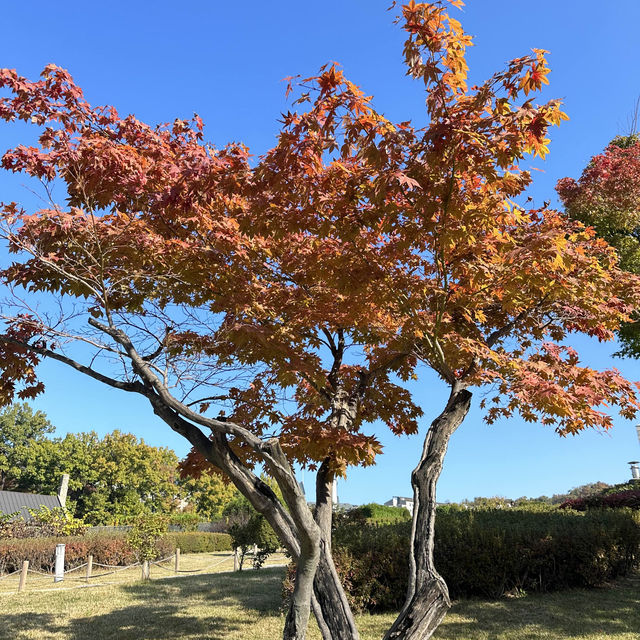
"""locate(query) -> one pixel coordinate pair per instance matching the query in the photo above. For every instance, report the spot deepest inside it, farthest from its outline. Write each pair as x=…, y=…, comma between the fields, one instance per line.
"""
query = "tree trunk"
x=331, y=598
x=427, y=596
x=309, y=535
x=329, y=593
x=297, y=621
x=296, y=529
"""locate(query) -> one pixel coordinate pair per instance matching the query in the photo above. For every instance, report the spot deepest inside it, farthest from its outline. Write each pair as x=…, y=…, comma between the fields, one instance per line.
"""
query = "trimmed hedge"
x=489, y=553
x=106, y=549
x=378, y=514
x=40, y=552
x=199, y=541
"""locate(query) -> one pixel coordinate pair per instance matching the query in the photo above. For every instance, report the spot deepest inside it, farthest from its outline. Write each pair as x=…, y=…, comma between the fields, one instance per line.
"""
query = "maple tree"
x=607, y=197
x=293, y=295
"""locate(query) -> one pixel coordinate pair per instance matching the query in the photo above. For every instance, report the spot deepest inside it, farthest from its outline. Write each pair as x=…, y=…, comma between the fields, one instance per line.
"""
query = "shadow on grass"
x=12, y=626
x=207, y=606
x=576, y=614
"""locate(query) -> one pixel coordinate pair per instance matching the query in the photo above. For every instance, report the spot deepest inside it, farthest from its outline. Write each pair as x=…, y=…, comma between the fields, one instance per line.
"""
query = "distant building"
x=18, y=502
x=399, y=501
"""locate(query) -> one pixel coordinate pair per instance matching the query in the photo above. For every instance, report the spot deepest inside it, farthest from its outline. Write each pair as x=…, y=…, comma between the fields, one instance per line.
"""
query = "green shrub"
x=145, y=533
x=256, y=531
x=43, y=523
x=198, y=541
x=489, y=553
x=377, y=514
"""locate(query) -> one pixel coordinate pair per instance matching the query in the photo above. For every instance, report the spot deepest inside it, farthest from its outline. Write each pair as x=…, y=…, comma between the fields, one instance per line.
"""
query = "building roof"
x=399, y=499
x=15, y=501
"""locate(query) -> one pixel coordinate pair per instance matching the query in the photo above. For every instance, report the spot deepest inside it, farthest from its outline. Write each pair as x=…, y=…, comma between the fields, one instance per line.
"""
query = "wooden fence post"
x=145, y=570
x=23, y=576
x=89, y=567
x=177, y=559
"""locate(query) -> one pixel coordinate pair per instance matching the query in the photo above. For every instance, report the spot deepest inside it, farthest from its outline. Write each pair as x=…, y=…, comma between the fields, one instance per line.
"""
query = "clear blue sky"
x=225, y=61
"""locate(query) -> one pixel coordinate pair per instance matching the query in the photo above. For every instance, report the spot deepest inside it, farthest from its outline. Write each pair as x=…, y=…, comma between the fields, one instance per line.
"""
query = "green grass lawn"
x=245, y=606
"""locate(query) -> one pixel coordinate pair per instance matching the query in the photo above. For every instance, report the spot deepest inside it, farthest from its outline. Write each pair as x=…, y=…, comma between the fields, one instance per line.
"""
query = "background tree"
x=298, y=294
x=607, y=197
x=111, y=479
x=20, y=428
x=209, y=495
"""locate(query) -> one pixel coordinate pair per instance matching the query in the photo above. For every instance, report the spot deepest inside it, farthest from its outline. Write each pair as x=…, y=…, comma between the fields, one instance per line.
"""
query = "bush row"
x=110, y=549
x=490, y=553
x=629, y=499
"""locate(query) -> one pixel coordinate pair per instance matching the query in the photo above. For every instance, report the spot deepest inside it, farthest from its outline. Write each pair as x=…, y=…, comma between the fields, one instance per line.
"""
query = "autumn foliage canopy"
x=333, y=266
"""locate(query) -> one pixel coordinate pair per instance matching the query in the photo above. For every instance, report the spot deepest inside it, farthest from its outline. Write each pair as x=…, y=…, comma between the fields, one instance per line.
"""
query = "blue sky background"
x=226, y=61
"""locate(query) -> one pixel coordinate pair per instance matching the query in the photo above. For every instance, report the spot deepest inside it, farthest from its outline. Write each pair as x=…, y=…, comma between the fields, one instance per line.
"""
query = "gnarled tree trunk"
x=427, y=596
x=296, y=529
x=331, y=598
x=295, y=627
x=329, y=593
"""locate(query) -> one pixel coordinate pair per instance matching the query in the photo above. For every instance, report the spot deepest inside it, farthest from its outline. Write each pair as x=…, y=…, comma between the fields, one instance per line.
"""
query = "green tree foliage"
x=147, y=530
x=20, y=428
x=209, y=495
x=111, y=478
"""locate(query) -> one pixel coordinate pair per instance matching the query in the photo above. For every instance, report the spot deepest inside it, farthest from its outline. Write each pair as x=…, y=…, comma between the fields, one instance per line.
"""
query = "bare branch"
x=135, y=387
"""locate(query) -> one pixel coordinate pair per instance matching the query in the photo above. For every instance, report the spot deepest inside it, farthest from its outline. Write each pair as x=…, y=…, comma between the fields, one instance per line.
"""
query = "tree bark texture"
x=427, y=599
x=297, y=621
x=328, y=588
x=332, y=600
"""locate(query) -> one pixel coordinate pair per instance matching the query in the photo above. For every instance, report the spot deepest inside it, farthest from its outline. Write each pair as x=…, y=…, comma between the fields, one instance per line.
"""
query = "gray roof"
x=12, y=501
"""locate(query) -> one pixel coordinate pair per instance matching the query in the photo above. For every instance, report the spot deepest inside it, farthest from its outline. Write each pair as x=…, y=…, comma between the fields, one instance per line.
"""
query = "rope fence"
x=20, y=579
x=8, y=575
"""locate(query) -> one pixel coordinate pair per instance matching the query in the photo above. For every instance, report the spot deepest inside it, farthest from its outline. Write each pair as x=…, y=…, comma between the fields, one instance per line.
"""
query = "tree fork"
x=427, y=599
